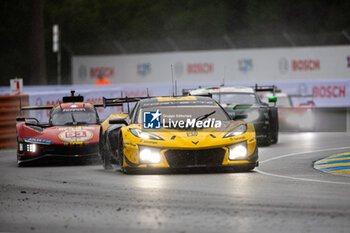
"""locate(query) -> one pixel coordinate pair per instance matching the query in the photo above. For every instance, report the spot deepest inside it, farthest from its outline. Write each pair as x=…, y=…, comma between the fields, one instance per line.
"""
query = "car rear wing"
x=272, y=88
x=119, y=101
x=205, y=95
x=43, y=107
x=28, y=108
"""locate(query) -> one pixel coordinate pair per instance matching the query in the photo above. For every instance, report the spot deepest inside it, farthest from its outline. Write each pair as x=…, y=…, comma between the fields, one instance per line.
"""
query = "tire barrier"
x=9, y=110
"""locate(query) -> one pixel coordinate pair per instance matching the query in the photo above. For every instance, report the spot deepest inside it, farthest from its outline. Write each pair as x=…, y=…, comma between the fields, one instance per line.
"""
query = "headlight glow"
x=252, y=116
x=20, y=146
x=238, y=151
x=31, y=148
x=145, y=135
x=241, y=129
x=149, y=155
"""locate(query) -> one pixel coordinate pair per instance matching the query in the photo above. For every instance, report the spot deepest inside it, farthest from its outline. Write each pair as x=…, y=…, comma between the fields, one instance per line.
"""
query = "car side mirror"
x=32, y=121
x=118, y=121
x=20, y=118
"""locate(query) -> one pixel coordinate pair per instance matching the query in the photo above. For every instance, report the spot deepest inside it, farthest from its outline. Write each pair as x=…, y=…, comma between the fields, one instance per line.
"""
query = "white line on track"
x=301, y=179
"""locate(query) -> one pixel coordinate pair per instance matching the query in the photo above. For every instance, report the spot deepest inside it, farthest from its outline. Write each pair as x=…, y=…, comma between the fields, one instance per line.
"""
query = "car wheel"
x=121, y=155
x=106, y=161
x=274, y=138
x=265, y=141
x=274, y=125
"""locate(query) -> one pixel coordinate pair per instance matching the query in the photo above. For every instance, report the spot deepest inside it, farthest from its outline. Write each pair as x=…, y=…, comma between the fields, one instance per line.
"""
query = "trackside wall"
x=9, y=110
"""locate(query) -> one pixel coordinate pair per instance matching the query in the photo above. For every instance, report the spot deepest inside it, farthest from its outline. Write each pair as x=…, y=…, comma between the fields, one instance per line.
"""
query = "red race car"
x=72, y=131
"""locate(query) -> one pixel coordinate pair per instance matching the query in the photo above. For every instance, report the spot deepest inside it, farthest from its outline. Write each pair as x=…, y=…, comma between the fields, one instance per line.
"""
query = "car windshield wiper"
x=74, y=121
x=205, y=116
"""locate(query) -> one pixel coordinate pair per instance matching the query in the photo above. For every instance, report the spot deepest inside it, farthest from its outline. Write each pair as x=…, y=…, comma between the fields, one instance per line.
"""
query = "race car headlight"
x=238, y=151
x=145, y=135
x=20, y=147
x=31, y=148
x=252, y=116
x=236, y=131
x=149, y=155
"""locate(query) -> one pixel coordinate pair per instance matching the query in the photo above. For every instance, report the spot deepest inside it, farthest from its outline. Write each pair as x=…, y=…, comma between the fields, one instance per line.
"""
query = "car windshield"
x=178, y=113
x=235, y=98
x=78, y=116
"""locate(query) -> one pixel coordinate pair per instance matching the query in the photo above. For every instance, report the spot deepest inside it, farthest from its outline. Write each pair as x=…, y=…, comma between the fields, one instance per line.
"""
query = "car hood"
x=189, y=139
x=61, y=135
x=240, y=107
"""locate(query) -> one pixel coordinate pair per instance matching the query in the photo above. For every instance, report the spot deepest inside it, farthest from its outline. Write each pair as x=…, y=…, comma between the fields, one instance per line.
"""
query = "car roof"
x=73, y=105
x=178, y=100
x=277, y=94
x=224, y=89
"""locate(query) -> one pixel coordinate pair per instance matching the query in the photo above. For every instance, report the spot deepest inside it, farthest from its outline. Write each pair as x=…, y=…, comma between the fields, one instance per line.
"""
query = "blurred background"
x=122, y=27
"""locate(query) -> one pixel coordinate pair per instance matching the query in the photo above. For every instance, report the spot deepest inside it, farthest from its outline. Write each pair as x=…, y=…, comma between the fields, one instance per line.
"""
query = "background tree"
x=37, y=60
x=134, y=26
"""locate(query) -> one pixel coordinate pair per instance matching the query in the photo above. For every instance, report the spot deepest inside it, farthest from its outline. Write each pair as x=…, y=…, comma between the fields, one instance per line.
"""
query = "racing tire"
x=274, y=138
x=265, y=141
x=106, y=161
x=121, y=155
x=274, y=124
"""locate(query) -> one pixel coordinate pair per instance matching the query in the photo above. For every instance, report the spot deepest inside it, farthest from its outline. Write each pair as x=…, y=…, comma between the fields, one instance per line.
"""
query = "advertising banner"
x=278, y=64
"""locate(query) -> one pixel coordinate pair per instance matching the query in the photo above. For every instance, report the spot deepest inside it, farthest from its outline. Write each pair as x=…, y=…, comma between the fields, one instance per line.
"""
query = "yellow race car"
x=176, y=133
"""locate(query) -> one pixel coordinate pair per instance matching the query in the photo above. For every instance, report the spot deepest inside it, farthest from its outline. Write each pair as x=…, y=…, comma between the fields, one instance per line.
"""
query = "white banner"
x=255, y=65
x=16, y=86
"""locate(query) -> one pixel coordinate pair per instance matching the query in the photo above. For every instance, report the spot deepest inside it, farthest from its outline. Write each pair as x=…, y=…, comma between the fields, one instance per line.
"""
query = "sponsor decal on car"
x=38, y=140
x=74, y=109
x=73, y=135
x=153, y=120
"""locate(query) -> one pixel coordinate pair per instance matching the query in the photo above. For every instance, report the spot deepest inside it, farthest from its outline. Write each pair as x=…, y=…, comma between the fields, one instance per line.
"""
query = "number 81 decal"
x=75, y=135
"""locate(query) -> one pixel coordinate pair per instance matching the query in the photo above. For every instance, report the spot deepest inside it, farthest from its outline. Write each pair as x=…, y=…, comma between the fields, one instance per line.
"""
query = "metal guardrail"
x=9, y=110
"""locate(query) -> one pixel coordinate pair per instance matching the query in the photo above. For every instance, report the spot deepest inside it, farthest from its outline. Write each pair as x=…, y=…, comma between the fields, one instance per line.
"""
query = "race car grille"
x=71, y=150
x=195, y=158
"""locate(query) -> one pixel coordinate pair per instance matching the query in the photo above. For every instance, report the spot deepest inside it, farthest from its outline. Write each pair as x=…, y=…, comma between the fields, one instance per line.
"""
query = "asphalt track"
x=285, y=194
